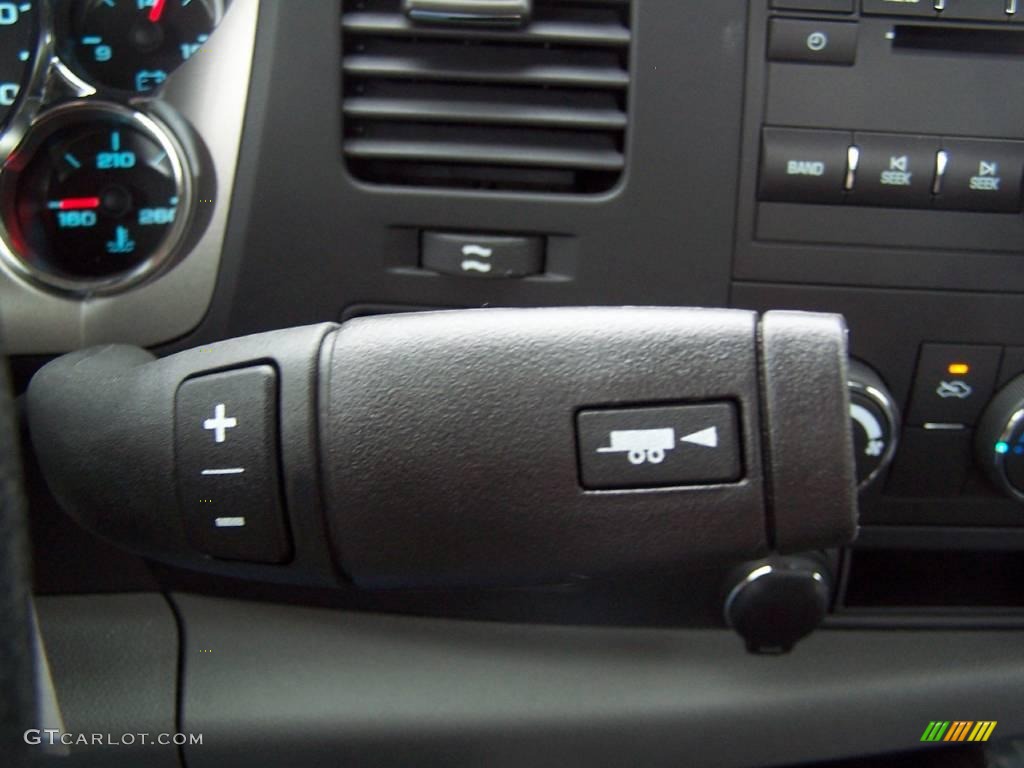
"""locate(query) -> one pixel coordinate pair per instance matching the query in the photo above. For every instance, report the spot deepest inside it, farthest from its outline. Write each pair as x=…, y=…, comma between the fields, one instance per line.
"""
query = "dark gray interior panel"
x=288, y=686
x=887, y=328
x=114, y=660
x=478, y=400
x=305, y=240
x=626, y=670
x=873, y=95
x=892, y=87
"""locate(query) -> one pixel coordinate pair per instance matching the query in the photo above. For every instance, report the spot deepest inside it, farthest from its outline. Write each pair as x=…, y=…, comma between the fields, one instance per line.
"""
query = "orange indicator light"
x=959, y=369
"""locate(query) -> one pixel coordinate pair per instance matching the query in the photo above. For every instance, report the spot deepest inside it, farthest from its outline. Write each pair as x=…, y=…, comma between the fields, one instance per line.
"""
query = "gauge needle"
x=157, y=10
x=74, y=203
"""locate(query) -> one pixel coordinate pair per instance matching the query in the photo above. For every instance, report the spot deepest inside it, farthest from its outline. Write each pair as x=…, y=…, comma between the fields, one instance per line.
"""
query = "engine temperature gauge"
x=133, y=45
x=97, y=197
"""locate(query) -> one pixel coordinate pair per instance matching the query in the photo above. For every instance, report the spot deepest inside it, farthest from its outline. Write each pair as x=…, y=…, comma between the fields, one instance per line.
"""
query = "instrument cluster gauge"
x=97, y=198
x=133, y=45
x=19, y=30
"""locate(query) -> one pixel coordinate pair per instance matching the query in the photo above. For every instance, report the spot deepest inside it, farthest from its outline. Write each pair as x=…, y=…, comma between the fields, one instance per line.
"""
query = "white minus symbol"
x=229, y=522
x=228, y=471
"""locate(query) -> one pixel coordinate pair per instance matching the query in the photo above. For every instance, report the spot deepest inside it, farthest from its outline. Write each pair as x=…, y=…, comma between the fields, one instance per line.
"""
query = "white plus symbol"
x=220, y=423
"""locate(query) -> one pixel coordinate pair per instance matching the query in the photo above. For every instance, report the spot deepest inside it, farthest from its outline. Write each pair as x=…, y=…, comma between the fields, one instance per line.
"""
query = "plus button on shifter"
x=220, y=423
x=228, y=486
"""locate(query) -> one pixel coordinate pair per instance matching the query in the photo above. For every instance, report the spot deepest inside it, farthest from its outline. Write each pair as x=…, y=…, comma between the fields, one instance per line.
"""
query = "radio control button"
x=812, y=42
x=894, y=170
x=980, y=10
x=803, y=166
x=899, y=7
x=982, y=175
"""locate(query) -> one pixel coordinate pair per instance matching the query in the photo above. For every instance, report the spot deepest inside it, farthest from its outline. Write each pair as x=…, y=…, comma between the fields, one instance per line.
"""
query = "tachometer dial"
x=96, y=198
x=19, y=26
x=133, y=45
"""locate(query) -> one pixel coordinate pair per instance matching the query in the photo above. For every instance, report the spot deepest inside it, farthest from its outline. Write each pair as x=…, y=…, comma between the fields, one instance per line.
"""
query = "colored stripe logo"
x=959, y=730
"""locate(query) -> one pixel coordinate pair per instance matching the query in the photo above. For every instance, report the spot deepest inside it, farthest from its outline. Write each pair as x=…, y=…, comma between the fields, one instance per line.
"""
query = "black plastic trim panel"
x=288, y=686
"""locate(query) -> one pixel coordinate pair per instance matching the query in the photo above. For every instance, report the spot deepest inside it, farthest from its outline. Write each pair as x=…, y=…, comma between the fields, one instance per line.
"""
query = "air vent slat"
x=484, y=154
x=422, y=110
x=564, y=32
x=541, y=108
x=504, y=69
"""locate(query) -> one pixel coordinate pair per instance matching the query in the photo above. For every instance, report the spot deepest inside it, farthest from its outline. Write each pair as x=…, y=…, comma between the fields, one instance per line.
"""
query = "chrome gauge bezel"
x=81, y=112
x=204, y=103
x=52, y=89
x=70, y=67
x=999, y=459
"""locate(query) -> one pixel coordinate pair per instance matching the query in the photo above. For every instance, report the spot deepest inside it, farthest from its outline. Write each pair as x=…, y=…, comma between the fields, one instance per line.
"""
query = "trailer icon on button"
x=649, y=445
x=659, y=446
x=641, y=445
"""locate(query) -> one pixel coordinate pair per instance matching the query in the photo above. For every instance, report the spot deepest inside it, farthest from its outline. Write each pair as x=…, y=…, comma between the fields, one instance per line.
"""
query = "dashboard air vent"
x=538, y=108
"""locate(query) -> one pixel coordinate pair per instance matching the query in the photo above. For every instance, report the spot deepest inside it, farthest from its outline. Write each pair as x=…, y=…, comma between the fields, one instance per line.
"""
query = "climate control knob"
x=999, y=443
x=874, y=421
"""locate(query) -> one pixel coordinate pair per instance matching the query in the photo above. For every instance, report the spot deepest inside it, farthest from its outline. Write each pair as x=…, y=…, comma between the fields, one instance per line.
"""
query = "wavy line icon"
x=477, y=250
x=472, y=265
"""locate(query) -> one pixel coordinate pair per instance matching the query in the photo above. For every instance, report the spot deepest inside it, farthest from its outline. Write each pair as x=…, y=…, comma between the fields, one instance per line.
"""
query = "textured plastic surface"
x=114, y=661
x=108, y=451
x=296, y=686
x=813, y=479
x=17, y=682
x=450, y=447
x=448, y=443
